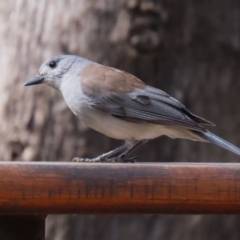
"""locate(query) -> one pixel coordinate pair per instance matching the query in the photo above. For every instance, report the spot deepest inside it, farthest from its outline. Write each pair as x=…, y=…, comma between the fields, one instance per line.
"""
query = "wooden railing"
x=30, y=191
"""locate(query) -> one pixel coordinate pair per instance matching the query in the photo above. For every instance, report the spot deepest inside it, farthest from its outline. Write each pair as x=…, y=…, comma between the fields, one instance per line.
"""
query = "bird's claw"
x=86, y=160
x=120, y=159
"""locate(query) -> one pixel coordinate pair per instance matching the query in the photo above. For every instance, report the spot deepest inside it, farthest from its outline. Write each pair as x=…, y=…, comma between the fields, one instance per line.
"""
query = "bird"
x=121, y=106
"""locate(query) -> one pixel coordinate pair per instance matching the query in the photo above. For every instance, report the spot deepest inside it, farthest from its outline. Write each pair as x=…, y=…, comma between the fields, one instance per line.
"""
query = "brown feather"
x=99, y=79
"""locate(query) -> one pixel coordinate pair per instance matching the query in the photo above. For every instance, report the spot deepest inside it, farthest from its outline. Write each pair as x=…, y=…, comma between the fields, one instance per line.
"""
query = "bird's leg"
x=122, y=156
x=102, y=157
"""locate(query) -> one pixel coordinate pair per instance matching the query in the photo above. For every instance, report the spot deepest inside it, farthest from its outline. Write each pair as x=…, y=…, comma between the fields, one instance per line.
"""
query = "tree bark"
x=189, y=49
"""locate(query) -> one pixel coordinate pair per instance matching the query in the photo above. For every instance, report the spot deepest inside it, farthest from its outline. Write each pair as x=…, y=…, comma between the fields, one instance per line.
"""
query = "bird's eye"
x=52, y=64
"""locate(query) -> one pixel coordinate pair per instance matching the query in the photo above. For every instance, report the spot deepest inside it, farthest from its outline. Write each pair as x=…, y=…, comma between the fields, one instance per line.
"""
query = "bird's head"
x=56, y=70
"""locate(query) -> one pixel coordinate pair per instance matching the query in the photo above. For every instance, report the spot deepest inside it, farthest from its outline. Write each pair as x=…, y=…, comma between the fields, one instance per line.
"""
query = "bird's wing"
x=126, y=97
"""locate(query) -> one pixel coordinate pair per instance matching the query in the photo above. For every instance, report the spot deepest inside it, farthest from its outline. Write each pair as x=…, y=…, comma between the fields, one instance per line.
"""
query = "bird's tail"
x=212, y=138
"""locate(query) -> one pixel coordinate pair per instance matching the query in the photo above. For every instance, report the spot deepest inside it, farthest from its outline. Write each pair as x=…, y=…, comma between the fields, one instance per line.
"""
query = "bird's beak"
x=37, y=80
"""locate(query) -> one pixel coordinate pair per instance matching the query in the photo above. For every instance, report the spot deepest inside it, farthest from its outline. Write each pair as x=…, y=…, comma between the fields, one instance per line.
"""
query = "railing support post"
x=22, y=227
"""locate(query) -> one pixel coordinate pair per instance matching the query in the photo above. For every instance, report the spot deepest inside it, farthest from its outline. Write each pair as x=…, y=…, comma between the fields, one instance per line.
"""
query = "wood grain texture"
x=47, y=188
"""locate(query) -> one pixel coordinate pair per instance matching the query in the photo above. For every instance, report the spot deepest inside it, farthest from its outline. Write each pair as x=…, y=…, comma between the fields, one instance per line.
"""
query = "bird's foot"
x=120, y=159
x=86, y=160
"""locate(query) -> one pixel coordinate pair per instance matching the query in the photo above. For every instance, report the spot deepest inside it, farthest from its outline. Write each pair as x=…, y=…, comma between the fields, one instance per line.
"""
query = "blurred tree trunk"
x=191, y=49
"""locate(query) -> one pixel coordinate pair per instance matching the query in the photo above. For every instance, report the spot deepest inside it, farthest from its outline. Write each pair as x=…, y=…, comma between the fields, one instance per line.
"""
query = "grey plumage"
x=212, y=138
x=121, y=106
x=148, y=106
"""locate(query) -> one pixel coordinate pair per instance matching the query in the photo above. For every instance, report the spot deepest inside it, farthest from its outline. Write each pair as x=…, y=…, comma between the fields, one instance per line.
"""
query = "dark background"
x=190, y=49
